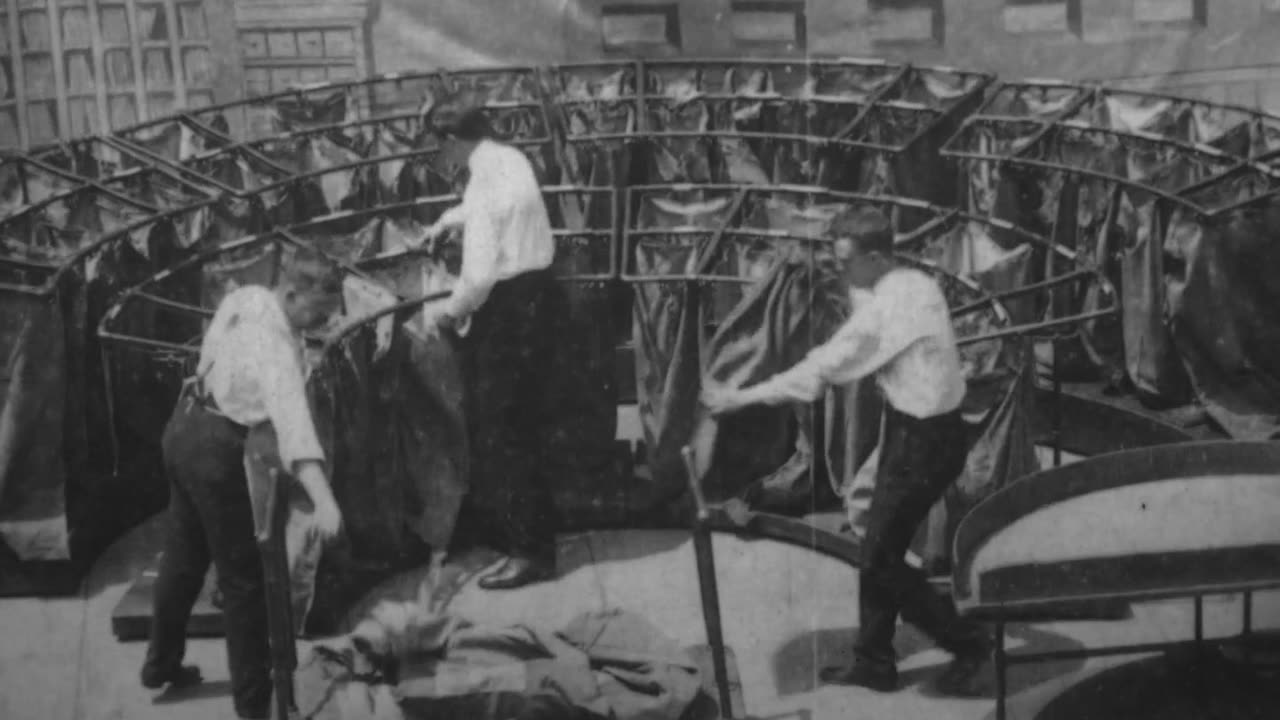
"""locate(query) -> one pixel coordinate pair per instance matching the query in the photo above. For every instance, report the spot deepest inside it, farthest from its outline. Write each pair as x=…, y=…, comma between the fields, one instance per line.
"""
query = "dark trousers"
x=210, y=518
x=919, y=459
x=509, y=357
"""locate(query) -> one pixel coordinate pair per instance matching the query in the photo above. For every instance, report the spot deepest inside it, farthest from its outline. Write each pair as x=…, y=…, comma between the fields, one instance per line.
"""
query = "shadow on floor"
x=1168, y=687
x=574, y=552
x=620, y=546
x=127, y=557
x=205, y=690
x=409, y=585
x=796, y=664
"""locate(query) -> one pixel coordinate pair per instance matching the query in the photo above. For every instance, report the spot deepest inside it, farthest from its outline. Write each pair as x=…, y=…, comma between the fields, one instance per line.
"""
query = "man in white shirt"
x=900, y=332
x=250, y=379
x=505, y=308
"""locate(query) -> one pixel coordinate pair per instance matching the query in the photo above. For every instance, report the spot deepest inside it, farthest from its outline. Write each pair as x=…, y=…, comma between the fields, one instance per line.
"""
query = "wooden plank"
x=135, y=48
x=131, y=619
x=59, y=67
x=706, y=706
x=175, y=55
x=19, y=75
x=99, y=66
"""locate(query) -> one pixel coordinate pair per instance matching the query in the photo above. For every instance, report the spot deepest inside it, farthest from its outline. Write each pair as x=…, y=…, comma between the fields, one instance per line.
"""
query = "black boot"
x=518, y=571
x=875, y=676
x=962, y=678
x=180, y=677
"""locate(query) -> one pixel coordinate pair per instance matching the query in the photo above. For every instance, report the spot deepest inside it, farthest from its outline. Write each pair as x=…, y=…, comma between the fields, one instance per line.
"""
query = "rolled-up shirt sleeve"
x=852, y=353
x=284, y=394
x=889, y=321
x=480, y=233
x=455, y=216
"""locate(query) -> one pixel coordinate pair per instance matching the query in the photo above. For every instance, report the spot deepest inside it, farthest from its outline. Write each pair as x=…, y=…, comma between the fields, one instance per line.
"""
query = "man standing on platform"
x=900, y=332
x=250, y=378
x=504, y=308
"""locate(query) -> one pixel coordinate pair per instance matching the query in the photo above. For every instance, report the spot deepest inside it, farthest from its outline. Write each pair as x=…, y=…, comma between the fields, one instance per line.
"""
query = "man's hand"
x=445, y=321
x=328, y=519
x=431, y=234
x=722, y=400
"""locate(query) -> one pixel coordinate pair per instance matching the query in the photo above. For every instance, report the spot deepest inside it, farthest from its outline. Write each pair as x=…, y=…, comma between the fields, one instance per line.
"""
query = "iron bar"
x=173, y=304
x=875, y=98
x=1049, y=282
x=1199, y=620
x=1032, y=328
x=148, y=343
x=707, y=585
x=1002, y=672
x=271, y=545
x=1057, y=403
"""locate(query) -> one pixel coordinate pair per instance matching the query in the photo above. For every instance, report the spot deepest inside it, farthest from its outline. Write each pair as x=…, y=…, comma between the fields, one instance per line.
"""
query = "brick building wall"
x=77, y=67
x=1222, y=50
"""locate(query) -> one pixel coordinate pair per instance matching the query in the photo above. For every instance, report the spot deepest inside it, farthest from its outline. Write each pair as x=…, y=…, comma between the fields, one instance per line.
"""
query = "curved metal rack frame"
x=639, y=84
x=294, y=234
x=1029, y=119
x=172, y=170
x=1142, y=578
x=738, y=198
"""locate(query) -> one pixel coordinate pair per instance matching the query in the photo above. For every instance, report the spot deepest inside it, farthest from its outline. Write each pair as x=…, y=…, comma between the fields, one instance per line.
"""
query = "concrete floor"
x=787, y=612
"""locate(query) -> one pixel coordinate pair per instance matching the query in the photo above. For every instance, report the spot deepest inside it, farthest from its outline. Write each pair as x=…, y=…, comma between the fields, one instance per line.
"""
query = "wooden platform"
x=131, y=619
x=39, y=579
x=787, y=613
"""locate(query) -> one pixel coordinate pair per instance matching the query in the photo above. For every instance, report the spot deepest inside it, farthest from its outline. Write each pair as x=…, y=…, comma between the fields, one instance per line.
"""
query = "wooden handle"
x=695, y=485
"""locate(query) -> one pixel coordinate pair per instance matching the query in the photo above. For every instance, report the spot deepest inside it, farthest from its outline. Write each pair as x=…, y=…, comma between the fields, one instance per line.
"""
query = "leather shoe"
x=180, y=677
x=516, y=572
x=962, y=676
x=881, y=678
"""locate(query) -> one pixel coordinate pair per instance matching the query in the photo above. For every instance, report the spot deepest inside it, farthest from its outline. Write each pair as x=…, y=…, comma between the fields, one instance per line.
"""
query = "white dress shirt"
x=505, y=227
x=901, y=332
x=251, y=362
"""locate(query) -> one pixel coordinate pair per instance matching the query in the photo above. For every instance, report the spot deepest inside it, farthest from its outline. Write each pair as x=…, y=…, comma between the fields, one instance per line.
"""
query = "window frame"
x=672, y=39
x=1074, y=11
x=938, y=36
x=799, y=41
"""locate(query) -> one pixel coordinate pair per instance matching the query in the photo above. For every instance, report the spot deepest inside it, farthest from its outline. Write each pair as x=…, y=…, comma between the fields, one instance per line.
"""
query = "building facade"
x=71, y=67
x=1221, y=50
x=76, y=67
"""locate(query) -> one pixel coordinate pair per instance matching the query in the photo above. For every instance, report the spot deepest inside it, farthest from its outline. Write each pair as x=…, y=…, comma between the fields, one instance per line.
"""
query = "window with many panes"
x=277, y=59
x=641, y=29
x=1026, y=17
x=908, y=22
x=778, y=26
x=75, y=67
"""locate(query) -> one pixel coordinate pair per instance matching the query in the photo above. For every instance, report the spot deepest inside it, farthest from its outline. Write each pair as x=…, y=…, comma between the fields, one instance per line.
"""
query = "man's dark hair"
x=308, y=271
x=866, y=227
x=459, y=117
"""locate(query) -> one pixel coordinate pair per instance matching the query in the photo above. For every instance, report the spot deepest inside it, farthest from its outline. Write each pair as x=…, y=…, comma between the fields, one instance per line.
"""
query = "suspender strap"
x=194, y=389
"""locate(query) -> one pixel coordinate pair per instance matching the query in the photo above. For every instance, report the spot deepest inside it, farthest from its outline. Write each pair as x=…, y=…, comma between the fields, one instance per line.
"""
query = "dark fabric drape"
x=668, y=334
x=1161, y=259
x=399, y=443
x=1222, y=302
x=1002, y=451
x=389, y=403
x=1151, y=359
x=752, y=453
x=33, y=471
x=765, y=100
x=611, y=664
